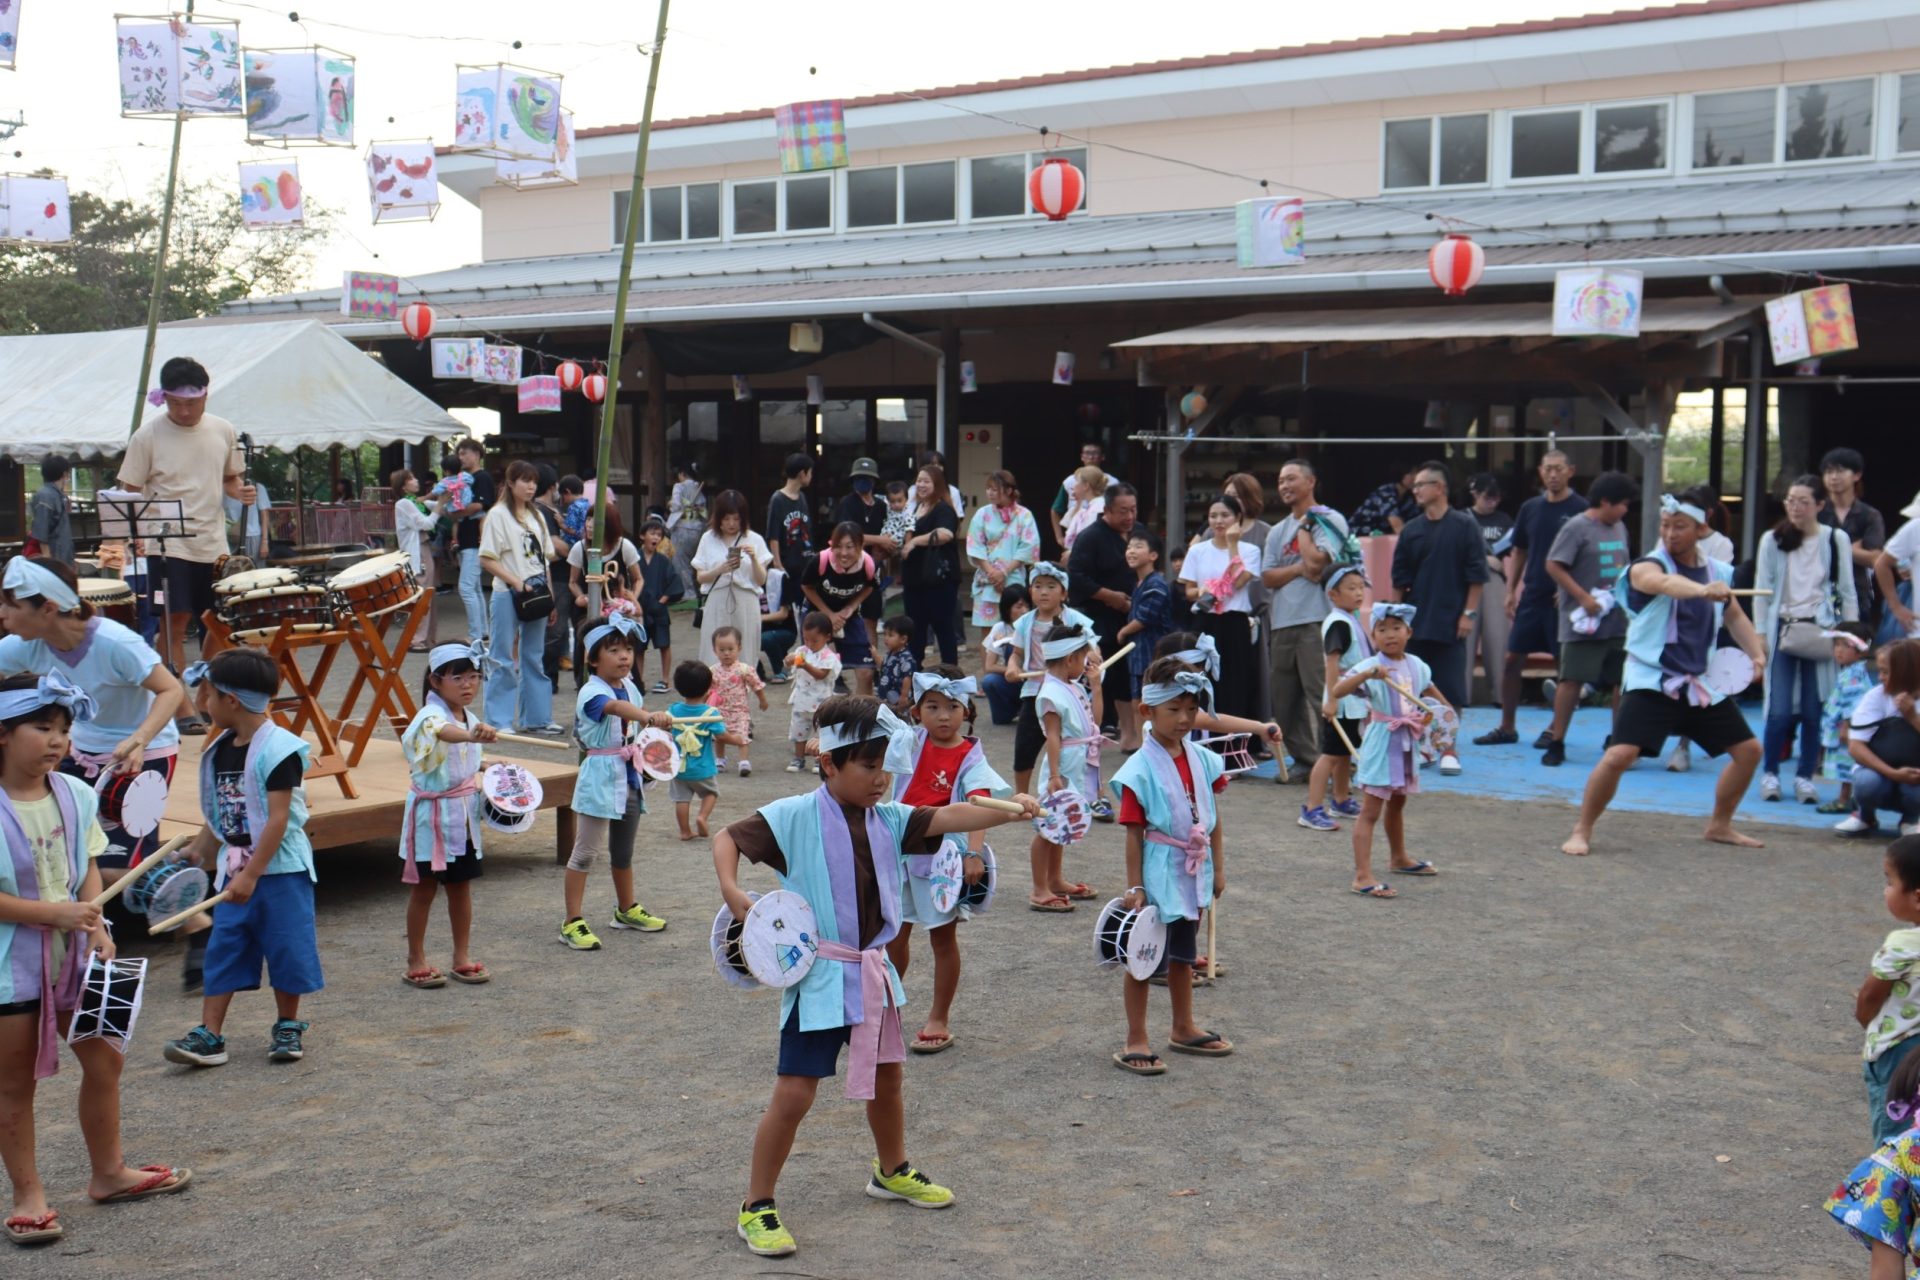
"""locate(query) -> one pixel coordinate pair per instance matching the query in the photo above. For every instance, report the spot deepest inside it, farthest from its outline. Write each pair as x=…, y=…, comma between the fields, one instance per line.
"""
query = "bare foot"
x=1727, y=835
x=1576, y=844
x=32, y=1206
x=700, y=825
x=685, y=834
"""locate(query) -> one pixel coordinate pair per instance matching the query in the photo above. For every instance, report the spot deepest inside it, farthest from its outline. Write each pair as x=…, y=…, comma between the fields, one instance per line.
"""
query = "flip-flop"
x=1422, y=868
x=164, y=1181
x=44, y=1229
x=1198, y=1045
x=1047, y=904
x=1078, y=892
x=923, y=1045
x=425, y=979
x=1376, y=891
x=473, y=974
x=1140, y=1064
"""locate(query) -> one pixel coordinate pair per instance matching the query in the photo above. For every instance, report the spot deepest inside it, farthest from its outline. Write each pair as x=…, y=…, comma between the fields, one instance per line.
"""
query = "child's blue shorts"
x=274, y=927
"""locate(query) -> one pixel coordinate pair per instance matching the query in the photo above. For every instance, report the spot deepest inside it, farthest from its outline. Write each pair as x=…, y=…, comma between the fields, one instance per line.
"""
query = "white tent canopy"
x=287, y=384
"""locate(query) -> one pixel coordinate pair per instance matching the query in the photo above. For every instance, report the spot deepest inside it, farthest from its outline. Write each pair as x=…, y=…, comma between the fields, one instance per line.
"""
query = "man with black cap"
x=864, y=508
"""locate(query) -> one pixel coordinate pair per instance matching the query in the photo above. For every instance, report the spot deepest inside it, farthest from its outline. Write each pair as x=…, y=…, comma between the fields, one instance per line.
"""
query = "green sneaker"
x=576, y=935
x=636, y=917
x=910, y=1185
x=764, y=1234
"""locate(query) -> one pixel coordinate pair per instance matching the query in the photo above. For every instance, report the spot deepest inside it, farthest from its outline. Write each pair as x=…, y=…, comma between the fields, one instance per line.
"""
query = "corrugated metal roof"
x=1659, y=317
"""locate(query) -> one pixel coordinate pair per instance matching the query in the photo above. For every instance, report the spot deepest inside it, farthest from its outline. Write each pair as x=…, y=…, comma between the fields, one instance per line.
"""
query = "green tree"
x=102, y=280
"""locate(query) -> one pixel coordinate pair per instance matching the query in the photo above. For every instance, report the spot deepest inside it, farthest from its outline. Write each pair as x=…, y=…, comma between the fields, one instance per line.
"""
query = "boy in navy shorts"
x=256, y=841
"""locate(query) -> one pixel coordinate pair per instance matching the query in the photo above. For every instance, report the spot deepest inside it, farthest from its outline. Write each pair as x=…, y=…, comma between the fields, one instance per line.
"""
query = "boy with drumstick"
x=256, y=811
x=840, y=848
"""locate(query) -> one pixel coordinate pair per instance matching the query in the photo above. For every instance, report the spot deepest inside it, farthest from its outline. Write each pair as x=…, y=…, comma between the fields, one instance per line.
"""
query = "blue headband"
x=1345, y=570
x=53, y=690
x=1672, y=506
x=902, y=743
x=443, y=655
x=615, y=624
x=25, y=578
x=1065, y=647
x=1205, y=654
x=926, y=682
x=1186, y=683
x=1047, y=569
x=1385, y=610
x=248, y=698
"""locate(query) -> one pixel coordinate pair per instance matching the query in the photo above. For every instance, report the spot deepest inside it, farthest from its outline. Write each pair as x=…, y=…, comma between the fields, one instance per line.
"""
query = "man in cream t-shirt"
x=190, y=456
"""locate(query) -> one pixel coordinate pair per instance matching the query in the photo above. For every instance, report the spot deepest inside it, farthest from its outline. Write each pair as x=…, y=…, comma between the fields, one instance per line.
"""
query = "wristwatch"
x=1471, y=613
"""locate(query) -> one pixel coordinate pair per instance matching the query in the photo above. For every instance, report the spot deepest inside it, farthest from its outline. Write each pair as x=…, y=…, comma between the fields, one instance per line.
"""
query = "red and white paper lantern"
x=1056, y=188
x=594, y=387
x=570, y=375
x=1455, y=264
x=417, y=320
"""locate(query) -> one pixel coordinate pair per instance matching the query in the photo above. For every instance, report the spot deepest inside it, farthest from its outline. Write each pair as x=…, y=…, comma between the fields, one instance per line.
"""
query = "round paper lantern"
x=1055, y=188
x=417, y=320
x=1192, y=404
x=1455, y=264
x=594, y=386
x=570, y=375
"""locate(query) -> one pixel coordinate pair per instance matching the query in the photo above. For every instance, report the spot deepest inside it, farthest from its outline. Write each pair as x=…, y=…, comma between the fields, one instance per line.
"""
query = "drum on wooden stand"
x=235, y=585
x=110, y=598
x=134, y=802
x=775, y=946
x=1135, y=940
x=509, y=797
x=110, y=992
x=377, y=583
x=258, y=614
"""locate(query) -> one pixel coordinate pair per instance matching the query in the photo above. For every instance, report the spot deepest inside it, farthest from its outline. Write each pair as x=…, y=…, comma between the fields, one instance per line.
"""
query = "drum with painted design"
x=1134, y=940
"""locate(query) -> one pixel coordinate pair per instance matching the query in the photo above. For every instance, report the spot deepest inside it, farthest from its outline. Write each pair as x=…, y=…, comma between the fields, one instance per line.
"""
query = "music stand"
x=136, y=517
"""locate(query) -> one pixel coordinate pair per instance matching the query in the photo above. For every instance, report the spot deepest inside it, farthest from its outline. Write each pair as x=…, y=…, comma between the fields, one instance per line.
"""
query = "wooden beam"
x=654, y=481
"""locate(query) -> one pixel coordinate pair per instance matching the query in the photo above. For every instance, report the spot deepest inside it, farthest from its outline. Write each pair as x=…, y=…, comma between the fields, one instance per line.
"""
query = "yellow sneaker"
x=910, y=1185
x=764, y=1234
x=636, y=917
x=576, y=935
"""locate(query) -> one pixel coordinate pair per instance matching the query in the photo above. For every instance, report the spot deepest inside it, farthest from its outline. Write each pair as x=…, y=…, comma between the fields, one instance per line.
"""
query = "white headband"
x=899, y=735
x=25, y=578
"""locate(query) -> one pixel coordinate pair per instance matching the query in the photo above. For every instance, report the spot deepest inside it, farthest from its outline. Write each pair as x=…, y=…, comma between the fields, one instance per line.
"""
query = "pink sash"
x=410, y=873
x=871, y=1044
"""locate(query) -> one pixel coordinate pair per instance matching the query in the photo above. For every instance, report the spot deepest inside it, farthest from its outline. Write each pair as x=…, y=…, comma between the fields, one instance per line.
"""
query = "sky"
x=65, y=79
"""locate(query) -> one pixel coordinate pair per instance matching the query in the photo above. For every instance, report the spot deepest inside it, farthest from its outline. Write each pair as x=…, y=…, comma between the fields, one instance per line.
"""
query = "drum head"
x=946, y=876
x=1134, y=939
x=143, y=801
x=724, y=943
x=370, y=569
x=512, y=796
x=975, y=898
x=1729, y=672
x=1066, y=819
x=105, y=591
x=659, y=754
x=780, y=939
x=175, y=887
x=254, y=580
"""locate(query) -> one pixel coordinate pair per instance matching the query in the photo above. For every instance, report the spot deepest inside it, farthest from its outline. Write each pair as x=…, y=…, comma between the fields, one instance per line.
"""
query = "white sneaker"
x=1681, y=760
x=1805, y=792
x=1851, y=825
x=1770, y=786
x=1449, y=765
x=793, y=766
x=722, y=765
x=1910, y=828
x=746, y=768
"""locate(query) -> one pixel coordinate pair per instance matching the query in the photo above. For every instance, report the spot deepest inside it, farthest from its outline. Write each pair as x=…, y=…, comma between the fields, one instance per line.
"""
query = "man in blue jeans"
x=466, y=534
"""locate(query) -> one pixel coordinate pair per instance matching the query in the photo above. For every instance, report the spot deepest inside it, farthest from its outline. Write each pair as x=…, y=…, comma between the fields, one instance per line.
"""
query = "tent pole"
x=616, y=340
x=159, y=269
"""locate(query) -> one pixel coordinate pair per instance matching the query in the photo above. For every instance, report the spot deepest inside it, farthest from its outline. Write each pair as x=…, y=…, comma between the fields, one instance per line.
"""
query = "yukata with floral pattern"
x=1007, y=539
x=442, y=808
x=1850, y=684
x=1876, y=1202
x=734, y=683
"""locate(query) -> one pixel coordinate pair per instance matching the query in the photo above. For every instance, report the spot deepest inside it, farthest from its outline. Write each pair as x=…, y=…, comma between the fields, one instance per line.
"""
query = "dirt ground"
x=1640, y=1064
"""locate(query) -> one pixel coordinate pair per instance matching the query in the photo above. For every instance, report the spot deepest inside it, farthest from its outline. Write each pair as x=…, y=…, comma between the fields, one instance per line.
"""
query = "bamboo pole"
x=159, y=272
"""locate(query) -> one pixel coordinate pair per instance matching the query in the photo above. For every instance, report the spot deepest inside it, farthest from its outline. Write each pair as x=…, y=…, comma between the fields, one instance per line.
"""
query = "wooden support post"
x=655, y=481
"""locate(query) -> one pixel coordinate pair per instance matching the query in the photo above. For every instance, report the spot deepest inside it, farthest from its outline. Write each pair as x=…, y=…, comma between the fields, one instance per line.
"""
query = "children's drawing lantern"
x=812, y=135
x=540, y=394
x=35, y=210
x=499, y=364
x=270, y=194
x=1056, y=188
x=174, y=66
x=401, y=181
x=417, y=320
x=594, y=387
x=1597, y=302
x=9, y=34
x=570, y=374
x=561, y=171
x=1270, y=233
x=1813, y=322
x=457, y=357
x=369, y=295
x=299, y=95
x=1455, y=264
x=506, y=113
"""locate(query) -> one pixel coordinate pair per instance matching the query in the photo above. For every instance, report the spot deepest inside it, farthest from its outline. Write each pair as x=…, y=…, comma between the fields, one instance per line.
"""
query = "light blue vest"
x=20, y=975
x=269, y=746
x=1647, y=629
x=1374, y=768
x=1029, y=646
x=1163, y=871
x=601, y=789
x=1354, y=705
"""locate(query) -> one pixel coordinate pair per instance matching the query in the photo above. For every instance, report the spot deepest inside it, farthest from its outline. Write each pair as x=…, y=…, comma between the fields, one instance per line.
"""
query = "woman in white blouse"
x=515, y=548
x=730, y=565
x=411, y=526
x=1216, y=573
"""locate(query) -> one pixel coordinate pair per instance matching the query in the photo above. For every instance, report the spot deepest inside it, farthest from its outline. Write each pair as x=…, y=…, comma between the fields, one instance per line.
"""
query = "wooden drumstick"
x=526, y=741
x=1213, y=950
x=1118, y=654
x=992, y=802
x=1411, y=696
x=146, y=864
x=1749, y=591
x=174, y=922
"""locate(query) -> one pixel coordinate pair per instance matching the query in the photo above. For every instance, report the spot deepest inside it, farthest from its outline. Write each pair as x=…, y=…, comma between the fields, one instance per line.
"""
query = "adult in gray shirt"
x=1291, y=565
x=50, y=513
x=1588, y=556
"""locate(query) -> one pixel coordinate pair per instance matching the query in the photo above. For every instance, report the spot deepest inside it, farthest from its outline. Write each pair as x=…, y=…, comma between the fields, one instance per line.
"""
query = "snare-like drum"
x=1134, y=939
x=975, y=898
x=946, y=876
x=260, y=613
x=380, y=582
x=109, y=1001
x=510, y=796
x=134, y=802
x=1065, y=817
x=110, y=598
x=775, y=946
x=166, y=889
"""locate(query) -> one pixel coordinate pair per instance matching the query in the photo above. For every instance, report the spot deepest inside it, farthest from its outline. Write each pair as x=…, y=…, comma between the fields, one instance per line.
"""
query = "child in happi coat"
x=815, y=666
x=256, y=837
x=441, y=825
x=1175, y=852
x=1879, y=1203
x=1070, y=754
x=607, y=796
x=49, y=825
x=1854, y=674
x=1047, y=590
x=1197, y=652
x=1344, y=640
x=818, y=844
x=733, y=682
x=948, y=766
x=1389, y=767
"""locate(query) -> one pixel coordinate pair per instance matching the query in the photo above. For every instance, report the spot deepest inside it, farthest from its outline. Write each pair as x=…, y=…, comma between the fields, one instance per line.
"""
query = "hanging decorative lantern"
x=35, y=209
x=174, y=67
x=402, y=182
x=1056, y=188
x=417, y=320
x=299, y=96
x=505, y=112
x=570, y=375
x=594, y=387
x=1456, y=263
x=1192, y=405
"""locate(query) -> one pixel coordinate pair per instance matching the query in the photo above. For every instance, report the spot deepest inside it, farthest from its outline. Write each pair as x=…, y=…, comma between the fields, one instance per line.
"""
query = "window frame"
x=1873, y=123
x=963, y=184
x=1433, y=119
x=1888, y=125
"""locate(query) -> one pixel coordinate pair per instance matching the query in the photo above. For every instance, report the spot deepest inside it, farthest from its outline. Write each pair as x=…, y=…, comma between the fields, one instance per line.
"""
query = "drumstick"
x=1342, y=731
x=1749, y=591
x=1117, y=655
x=113, y=891
x=174, y=922
x=991, y=802
x=1213, y=951
x=1411, y=696
x=525, y=741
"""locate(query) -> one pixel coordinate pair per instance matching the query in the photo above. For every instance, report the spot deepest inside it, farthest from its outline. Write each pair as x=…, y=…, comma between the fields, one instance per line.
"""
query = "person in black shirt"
x=466, y=534
x=790, y=522
x=931, y=569
x=1864, y=526
x=1440, y=565
x=1100, y=584
x=868, y=510
x=838, y=583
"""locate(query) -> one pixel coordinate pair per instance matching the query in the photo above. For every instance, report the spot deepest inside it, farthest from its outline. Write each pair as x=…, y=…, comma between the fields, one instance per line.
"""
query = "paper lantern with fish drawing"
x=270, y=194
x=171, y=66
x=299, y=96
x=561, y=171
x=34, y=209
x=402, y=182
x=506, y=113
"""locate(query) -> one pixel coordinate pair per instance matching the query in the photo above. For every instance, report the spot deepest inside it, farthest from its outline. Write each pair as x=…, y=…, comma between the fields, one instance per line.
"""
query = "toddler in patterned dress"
x=1876, y=1202
x=733, y=680
x=815, y=665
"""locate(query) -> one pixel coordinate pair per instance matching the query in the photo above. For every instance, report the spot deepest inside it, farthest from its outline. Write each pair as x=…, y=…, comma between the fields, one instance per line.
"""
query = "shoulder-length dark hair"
x=1787, y=533
x=1903, y=667
x=517, y=470
x=728, y=502
x=938, y=474
x=1003, y=481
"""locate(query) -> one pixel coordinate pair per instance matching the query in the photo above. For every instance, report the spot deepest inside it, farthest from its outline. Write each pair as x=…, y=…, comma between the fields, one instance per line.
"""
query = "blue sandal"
x=1417, y=869
x=1377, y=891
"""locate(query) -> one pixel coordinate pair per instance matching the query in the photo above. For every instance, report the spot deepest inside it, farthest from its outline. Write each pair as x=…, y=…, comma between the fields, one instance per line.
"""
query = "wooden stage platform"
x=381, y=779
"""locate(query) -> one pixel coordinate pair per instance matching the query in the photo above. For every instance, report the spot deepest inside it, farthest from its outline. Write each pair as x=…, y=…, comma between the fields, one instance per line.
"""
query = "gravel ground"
x=1640, y=1064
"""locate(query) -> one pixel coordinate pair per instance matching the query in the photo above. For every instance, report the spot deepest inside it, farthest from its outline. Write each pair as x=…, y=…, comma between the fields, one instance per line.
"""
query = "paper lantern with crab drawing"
x=402, y=182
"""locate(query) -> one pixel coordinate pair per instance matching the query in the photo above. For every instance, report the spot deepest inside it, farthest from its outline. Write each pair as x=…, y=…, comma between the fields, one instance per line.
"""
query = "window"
x=672, y=213
x=1444, y=151
x=908, y=193
x=873, y=197
x=926, y=192
x=1829, y=121
x=998, y=184
x=1733, y=128
x=1630, y=139
x=622, y=201
x=703, y=211
x=1546, y=144
x=1907, y=115
x=809, y=203
x=663, y=213
x=756, y=208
